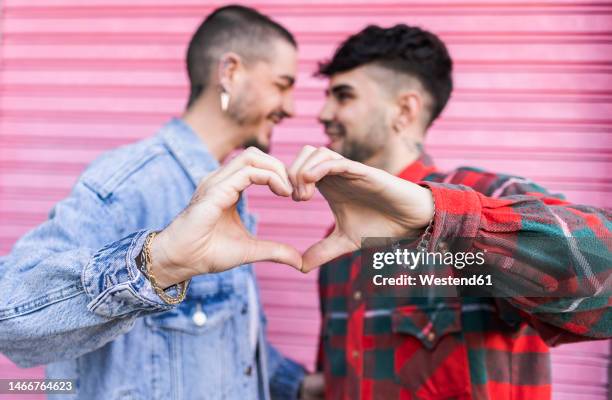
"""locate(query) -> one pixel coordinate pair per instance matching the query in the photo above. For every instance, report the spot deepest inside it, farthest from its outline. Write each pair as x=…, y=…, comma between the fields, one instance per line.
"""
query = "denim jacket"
x=72, y=297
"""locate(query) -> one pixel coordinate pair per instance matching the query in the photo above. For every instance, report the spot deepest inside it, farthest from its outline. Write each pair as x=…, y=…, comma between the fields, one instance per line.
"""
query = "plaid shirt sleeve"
x=502, y=222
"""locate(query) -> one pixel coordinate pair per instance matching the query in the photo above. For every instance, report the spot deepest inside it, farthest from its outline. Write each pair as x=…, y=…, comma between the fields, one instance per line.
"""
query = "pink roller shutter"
x=533, y=97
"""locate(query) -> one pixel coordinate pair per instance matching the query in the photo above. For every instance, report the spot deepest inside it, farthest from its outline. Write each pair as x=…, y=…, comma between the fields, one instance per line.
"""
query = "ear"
x=228, y=70
x=410, y=109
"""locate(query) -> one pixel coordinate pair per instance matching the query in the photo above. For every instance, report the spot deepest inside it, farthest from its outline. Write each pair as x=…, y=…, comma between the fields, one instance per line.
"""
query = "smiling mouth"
x=275, y=118
x=335, y=142
x=333, y=136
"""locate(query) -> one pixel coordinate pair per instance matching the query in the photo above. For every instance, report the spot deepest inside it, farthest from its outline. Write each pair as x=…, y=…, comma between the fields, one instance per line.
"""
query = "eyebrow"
x=339, y=88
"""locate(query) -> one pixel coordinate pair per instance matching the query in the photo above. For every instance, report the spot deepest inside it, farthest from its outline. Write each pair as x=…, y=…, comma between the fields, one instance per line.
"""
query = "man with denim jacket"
x=74, y=294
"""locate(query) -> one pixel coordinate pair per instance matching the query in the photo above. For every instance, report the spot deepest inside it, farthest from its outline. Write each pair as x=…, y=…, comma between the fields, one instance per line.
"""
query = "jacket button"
x=357, y=295
x=355, y=354
x=199, y=318
x=431, y=336
x=248, y=371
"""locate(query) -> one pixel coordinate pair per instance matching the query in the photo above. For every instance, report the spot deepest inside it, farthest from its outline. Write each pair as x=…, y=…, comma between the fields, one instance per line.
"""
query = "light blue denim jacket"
x=71, y=295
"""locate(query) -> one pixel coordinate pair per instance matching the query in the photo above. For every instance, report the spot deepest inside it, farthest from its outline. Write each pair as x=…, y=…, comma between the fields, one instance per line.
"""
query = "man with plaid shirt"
x=386, y=88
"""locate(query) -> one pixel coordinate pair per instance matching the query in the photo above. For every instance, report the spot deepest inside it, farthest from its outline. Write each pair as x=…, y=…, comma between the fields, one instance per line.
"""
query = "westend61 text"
x=432, y=280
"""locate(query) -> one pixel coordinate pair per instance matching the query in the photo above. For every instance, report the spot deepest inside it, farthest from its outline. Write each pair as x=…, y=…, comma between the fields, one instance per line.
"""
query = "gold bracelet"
x=147, y=261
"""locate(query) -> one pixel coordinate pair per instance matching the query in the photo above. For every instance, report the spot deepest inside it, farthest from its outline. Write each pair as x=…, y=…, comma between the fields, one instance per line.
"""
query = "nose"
x=289, y=105
x=327, y=113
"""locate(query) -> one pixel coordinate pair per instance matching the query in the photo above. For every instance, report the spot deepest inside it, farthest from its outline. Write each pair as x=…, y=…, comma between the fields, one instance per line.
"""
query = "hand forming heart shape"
x=365, y=201
x=208, y=236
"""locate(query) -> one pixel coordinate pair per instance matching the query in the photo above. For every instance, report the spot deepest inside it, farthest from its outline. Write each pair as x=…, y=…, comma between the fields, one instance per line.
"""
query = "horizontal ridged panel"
x=533, y=97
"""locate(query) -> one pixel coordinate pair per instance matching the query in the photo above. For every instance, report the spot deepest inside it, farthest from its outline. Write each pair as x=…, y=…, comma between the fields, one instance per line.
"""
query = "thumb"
x=326, y=250
x=267, y=250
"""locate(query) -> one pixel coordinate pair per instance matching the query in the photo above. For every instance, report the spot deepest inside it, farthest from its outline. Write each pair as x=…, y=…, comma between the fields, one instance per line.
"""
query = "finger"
x=326, y=250
x=295, y=166
x=251, y=157
x=306, y=189
x=343, y=167
x=320, y=155
x=249, y=175
x=266, y=250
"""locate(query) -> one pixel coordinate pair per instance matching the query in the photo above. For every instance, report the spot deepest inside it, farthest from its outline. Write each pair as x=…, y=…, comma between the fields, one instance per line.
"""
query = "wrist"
x=428, y=208
x=166, y=271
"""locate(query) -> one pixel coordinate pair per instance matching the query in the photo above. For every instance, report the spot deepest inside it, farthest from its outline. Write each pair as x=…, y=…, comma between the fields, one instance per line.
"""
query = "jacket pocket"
x=193, y=317
x=198, y=349
x=430, y=356
x=211, y=301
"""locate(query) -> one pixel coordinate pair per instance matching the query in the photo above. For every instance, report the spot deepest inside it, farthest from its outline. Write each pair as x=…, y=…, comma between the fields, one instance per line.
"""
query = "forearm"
x=59, y=305
x=58, y=332
x=512, y=230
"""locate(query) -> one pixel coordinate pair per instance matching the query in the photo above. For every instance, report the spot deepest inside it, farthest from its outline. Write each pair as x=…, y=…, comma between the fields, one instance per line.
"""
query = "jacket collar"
x=188, y=149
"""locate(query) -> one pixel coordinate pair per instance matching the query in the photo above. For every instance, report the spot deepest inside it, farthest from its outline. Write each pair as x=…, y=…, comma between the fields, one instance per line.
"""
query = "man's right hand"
x=365, y=201
x=208, y=236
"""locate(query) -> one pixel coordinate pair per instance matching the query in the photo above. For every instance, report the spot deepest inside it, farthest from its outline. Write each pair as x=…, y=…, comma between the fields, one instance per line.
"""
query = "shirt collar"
x=188, y=149
x=418, y=169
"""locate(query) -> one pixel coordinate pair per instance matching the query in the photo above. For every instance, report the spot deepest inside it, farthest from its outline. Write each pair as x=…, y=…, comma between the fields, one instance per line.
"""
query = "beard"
x=357, y=151
x=254, y=142
x=242, y=111
x=362, y=147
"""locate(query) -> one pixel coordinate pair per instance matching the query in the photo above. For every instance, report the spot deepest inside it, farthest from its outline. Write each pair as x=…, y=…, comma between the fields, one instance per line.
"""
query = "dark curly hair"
x=403, y=49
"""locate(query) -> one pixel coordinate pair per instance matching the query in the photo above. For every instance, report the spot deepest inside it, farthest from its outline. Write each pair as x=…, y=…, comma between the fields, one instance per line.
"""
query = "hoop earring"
x=225, y=98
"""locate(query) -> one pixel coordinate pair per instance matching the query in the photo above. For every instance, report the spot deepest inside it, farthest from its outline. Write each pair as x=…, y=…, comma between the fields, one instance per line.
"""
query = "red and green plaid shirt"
x=465, y=348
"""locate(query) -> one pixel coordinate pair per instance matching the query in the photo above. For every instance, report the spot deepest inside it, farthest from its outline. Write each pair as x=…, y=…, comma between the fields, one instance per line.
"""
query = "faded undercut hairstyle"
x=234, y=28
x=402, y=49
